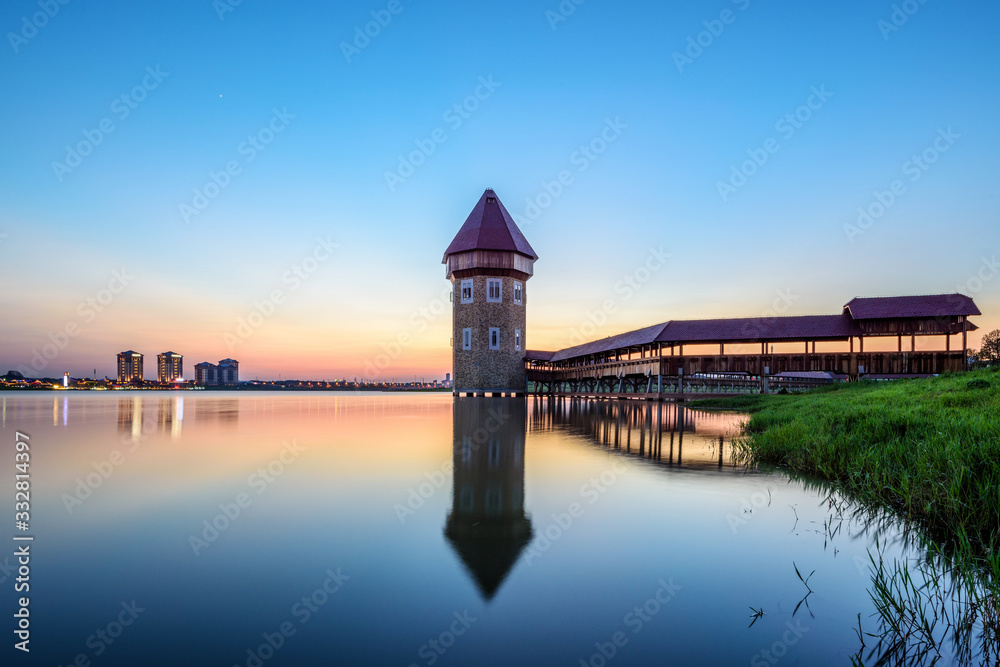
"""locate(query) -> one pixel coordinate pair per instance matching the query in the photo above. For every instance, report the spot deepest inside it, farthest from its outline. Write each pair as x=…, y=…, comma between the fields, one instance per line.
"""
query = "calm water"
x=417, y=530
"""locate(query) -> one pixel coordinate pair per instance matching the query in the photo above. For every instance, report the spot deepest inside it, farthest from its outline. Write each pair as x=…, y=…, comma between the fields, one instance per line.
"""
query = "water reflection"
x=222, y=411
x=651, y=430
x=130, y=415
x=488, y=527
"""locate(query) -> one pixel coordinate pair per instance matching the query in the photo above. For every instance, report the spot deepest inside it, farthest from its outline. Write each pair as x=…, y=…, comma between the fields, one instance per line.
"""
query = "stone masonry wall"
x=481, y=367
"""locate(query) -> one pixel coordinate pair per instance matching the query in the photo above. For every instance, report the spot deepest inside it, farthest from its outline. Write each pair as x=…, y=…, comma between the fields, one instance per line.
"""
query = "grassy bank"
x=927, y=448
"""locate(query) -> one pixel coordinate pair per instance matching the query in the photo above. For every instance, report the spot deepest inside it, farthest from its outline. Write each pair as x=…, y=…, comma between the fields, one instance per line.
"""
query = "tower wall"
x=481, y=367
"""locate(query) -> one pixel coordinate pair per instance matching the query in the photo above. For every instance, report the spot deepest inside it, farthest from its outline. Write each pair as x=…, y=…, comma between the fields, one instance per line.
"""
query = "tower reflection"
x=488, y=527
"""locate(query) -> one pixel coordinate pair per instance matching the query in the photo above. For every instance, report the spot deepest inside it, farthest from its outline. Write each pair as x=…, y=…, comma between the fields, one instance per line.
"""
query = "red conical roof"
x=490, y=227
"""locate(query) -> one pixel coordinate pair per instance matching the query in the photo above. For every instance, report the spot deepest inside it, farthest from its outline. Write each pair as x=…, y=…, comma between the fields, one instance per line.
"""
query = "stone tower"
x=489, y=263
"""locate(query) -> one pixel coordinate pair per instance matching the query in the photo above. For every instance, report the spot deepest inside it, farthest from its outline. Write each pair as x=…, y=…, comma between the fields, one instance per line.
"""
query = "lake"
x=246, y=528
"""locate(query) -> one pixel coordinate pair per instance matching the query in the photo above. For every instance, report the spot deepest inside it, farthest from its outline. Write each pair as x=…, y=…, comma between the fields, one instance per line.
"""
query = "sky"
x=277, y=182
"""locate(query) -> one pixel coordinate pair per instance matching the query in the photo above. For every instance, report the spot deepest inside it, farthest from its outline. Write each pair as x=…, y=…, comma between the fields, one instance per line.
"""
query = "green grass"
x=927, y=448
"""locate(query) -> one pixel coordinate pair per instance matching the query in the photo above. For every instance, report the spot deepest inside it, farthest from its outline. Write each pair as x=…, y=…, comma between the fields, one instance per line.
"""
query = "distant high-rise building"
x=129, y=366
x=206, y=374
x=229, y=372
x=169, y=366
x=226, y=373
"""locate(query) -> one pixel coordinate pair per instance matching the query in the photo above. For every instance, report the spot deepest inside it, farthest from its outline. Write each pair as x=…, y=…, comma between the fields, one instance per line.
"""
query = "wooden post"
x=807, y=347
x=861, y=344
x=722, y=349
x=900, y=337
x=965, y=342
x=947, y=342
x=852, y=344
x=913, y=342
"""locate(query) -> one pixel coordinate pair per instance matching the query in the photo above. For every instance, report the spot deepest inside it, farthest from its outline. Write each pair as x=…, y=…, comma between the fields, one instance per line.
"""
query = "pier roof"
x=774, y=329
x=490, y=227
x=928, y=305
x=752, y=329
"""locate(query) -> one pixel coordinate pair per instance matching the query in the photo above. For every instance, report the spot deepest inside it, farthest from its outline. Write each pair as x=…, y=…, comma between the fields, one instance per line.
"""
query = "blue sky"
x=888, y=95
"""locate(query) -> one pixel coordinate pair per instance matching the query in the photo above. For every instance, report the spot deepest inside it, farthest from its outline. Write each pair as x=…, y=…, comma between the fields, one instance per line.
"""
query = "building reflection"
x=130, y=416
x=170, y=416
x=666, y=433
x=132, y=411
x=222, y=411
x=488, y=527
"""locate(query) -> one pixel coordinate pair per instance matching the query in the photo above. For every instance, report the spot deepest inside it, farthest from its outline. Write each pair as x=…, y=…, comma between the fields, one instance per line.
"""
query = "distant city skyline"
x=288, y=205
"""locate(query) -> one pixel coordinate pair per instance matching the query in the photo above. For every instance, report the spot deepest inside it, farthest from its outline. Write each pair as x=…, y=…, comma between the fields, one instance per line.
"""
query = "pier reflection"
x=488, y=527
x=667, y=433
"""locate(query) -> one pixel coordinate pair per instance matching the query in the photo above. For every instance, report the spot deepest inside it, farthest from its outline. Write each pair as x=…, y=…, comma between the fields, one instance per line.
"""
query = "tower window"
x=494, y=500
x=466, y=291
x=466, y=339
x=494, y=290
x=517, y=339
x=518, y=293
x=494, y=338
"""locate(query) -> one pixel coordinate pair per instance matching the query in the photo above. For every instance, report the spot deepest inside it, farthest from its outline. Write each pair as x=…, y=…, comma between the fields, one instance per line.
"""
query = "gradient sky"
x=557, y=85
